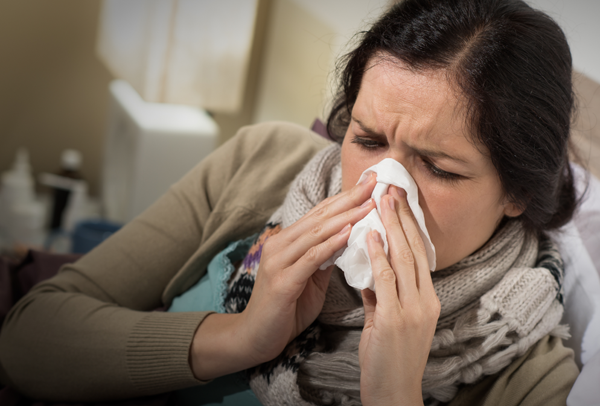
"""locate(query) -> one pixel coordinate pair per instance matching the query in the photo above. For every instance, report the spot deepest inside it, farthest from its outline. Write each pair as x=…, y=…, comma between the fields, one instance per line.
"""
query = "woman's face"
x=417, y=119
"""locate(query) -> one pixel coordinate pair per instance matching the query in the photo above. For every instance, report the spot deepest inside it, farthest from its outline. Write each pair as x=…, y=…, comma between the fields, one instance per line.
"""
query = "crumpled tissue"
x=354, y=259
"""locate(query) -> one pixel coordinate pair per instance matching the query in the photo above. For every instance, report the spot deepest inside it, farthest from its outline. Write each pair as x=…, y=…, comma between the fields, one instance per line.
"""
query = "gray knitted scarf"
x=495, y=304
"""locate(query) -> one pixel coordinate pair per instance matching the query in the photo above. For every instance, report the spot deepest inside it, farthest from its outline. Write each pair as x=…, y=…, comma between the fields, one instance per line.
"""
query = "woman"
x=474, y=98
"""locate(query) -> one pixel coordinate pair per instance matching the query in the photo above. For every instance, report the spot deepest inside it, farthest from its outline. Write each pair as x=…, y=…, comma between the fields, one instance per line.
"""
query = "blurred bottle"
x=21, y=215
x=70, y=165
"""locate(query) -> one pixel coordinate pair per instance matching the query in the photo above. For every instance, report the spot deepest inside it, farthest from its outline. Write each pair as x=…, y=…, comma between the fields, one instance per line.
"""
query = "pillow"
x=579, y=244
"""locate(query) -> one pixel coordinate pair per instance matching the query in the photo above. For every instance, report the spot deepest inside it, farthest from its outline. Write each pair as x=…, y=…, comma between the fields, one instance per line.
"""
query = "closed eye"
x=439, y=173
x=368, y=143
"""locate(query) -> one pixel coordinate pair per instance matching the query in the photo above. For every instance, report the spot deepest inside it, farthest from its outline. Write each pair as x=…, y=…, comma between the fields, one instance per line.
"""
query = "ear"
x=513, y=210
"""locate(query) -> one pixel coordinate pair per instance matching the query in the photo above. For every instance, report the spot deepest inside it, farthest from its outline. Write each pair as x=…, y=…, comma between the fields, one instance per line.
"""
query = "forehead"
x=426, y=104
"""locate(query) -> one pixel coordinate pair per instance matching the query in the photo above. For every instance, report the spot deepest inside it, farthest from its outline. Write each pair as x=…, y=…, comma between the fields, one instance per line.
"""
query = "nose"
x=401, y=158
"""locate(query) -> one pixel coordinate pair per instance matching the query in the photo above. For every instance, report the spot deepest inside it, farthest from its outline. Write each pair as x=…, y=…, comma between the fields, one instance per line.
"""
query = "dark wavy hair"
x=513, y=66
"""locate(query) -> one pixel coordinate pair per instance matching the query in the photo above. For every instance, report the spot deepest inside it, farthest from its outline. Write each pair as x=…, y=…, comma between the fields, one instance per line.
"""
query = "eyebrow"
x=421, y=151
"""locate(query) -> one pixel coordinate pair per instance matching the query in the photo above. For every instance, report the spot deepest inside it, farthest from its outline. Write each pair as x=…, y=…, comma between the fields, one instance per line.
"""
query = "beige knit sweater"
x=88, y=333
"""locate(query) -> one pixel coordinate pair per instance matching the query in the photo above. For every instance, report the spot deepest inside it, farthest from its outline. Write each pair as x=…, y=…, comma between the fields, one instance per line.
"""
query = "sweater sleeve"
x=543, y=376
x=89, y=333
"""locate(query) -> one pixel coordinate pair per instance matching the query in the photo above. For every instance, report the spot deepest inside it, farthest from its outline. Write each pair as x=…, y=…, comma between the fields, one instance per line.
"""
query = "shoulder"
x=543, y=376
x=259, y=159
x=250, y=172
x=276, y=139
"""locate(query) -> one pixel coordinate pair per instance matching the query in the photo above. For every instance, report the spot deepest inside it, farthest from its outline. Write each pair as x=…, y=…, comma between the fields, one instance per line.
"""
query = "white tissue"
x=354, y=260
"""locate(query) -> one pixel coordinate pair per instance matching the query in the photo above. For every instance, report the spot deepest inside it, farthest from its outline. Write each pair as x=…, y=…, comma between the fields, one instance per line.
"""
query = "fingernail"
x=366, y=179
x=400, y=193
x=392, y=203
x=345, y=229
x=365, y=204
x=376, y=236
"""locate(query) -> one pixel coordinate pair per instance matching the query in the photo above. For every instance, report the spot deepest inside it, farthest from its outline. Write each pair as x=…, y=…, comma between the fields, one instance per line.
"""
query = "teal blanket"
x=209, y=294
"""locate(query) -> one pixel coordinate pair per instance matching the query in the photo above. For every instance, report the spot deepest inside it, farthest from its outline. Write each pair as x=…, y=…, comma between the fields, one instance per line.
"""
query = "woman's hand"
x=400, y=319
x=289, y=290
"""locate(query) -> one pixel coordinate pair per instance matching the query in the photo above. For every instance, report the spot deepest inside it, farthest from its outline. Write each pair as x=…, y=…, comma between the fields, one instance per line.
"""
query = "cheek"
x=439, y=208
x=459, y=221
x=354, y=163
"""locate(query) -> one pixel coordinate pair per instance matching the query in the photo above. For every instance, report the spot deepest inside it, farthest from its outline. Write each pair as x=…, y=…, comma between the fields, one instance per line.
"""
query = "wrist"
x=395, y=401
x=219, y=348
x=391, y=393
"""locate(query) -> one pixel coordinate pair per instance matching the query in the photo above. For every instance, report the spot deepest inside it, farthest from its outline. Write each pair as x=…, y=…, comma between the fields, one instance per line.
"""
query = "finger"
x=331, y=207
x=400, y=253
x=383, y=274
x=341, y=202
x=320, y=232
x=302, y=269
x=368, y=183
x=414, y=238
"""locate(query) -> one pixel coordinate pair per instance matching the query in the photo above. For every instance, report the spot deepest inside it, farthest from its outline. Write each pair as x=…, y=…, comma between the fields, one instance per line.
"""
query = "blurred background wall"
x=54, y=90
